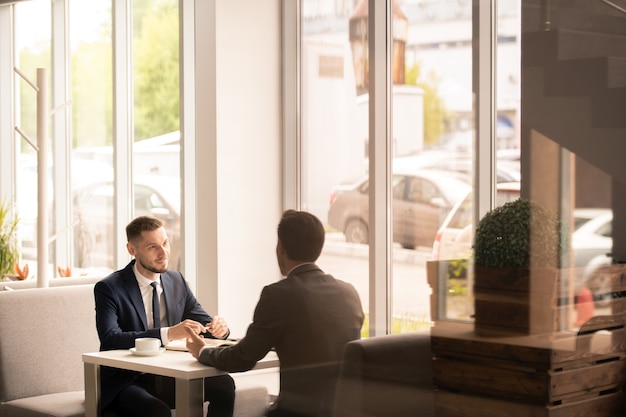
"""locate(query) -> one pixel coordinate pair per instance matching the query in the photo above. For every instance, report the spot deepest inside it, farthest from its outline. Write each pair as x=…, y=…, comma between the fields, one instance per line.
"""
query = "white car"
x=455, y=236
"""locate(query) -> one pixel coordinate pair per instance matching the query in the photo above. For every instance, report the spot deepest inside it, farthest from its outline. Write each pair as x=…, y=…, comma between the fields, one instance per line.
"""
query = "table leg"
x=92, y=390
x=189, y=397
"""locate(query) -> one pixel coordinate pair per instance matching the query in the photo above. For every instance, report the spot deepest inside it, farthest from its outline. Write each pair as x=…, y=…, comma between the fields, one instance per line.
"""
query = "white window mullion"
x=292, y=114
x=7, y=102
x=484, y=64
x=123, y=136
x=380, y=202
x=61, y=142
x=189, y=235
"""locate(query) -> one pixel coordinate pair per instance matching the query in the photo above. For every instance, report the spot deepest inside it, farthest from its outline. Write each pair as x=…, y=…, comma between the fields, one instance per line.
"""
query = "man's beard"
x=152, y=268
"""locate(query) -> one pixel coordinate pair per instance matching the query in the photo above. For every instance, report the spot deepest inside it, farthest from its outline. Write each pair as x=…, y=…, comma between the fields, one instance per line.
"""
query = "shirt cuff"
x=164, y=339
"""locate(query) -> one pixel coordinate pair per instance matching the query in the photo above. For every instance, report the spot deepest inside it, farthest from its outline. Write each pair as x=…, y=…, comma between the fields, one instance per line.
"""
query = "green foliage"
x=434, y=108
x=29, y=61
x=519, y=234
x=9, y=249
x=457, y=268
x=457, y=287
x=92, y=94
x=156, y=77
x=156, y=73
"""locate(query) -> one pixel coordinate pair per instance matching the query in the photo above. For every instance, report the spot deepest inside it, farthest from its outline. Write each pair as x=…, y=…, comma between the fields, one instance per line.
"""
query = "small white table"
x=186, y=370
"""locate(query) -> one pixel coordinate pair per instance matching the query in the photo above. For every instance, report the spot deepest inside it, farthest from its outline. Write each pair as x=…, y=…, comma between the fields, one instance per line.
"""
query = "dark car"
x=421, y=200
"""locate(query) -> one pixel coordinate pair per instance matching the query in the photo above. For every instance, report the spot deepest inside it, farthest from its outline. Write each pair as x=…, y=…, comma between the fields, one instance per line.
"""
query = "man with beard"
x=125, y=311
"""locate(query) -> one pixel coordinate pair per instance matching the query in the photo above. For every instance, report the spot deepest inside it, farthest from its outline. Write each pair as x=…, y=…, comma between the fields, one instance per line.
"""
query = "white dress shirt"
x=146, y=295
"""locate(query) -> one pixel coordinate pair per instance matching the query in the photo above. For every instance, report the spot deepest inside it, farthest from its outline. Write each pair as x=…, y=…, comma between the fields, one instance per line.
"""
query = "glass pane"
x=334, y=136
x=92, y=132
x=433, y=129
x=32, y=50
x=156, y=154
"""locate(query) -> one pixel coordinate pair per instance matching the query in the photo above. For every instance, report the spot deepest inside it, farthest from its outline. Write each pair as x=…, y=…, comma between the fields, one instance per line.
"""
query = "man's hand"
x=194, y=342
x=180, y=330
x=218, y=327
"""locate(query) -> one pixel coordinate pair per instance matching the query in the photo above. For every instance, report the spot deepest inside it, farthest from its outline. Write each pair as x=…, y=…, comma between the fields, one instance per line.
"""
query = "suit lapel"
x=132, y=288
x=168, y=293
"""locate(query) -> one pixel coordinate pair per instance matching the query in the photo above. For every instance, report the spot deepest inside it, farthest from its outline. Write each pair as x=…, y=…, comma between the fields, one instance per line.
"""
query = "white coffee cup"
x=147, y=344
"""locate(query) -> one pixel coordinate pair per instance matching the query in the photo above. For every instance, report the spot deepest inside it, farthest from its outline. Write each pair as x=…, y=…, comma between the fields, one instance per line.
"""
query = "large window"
x=431, y=149
x=32, y=52
x=93, y=132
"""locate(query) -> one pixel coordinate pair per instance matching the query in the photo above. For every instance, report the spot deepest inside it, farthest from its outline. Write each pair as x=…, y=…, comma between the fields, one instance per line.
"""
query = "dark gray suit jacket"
x=121, y=317
x=307, y=318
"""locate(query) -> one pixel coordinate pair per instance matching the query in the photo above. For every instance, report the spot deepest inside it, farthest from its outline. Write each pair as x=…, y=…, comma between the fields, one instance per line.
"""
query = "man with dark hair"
x=308, y=317
x=145, y=299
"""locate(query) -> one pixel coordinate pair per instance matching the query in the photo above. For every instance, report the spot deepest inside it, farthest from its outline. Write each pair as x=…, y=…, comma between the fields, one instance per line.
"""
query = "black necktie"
x=156, y=310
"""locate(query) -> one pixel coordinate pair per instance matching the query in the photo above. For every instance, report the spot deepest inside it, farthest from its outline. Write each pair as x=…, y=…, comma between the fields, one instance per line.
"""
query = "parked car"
x=506, y=171
x=421, y=200
x=155, y=195
x=84, y=172
x=454, y=238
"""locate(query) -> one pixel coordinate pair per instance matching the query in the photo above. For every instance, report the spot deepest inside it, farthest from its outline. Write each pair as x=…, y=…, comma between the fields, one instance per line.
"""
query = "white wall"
x=248, y=153
x=332, y=143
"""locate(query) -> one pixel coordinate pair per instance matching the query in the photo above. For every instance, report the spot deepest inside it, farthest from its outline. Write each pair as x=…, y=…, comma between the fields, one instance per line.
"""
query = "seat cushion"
x=251, y=400
x=63, y=404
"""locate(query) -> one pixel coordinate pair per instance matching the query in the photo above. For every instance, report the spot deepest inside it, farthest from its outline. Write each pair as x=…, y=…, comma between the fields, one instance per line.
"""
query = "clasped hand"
x=195, y=343
x=217, y=328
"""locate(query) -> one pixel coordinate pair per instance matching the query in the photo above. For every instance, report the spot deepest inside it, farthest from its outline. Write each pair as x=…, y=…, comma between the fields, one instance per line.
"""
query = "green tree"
x=434, y=108
x=156, y=62
x=92, y=93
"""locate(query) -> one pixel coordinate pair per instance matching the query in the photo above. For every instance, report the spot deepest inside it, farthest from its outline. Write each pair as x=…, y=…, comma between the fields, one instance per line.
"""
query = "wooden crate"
x=546, y=371
x=451, y=404
x=516, y=301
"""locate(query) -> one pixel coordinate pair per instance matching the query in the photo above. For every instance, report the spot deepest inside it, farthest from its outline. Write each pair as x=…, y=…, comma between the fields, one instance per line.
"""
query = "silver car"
x=421, y=200
x=155, y=195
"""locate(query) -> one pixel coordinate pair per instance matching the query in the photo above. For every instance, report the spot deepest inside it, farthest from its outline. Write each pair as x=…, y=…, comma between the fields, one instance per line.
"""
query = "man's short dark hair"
x=141, y=224
x=302, y=235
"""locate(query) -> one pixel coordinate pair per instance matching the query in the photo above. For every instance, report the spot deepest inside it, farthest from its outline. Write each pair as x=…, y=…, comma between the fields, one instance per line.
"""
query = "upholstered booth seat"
x=387, y=376
x=43, y=334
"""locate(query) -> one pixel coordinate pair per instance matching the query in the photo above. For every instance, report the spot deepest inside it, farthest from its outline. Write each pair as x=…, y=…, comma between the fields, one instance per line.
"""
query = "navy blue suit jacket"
x=121, y=318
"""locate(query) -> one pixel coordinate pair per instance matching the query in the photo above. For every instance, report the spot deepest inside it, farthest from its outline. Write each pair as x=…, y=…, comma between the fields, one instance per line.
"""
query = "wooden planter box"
x=450, y=404
x=515, y=301
x=559, y=374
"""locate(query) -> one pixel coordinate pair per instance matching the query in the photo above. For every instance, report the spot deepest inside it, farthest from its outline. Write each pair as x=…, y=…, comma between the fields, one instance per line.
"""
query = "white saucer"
x=147, y=352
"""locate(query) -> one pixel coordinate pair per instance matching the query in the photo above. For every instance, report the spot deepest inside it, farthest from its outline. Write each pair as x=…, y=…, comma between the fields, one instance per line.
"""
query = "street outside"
x=350, y=262
x=411, y=293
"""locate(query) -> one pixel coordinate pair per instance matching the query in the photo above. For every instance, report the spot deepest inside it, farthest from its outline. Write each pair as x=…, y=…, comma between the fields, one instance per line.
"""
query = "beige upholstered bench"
x=43, y=333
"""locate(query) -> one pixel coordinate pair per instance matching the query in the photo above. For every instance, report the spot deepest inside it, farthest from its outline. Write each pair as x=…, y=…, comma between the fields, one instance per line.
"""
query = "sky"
x=33, y=22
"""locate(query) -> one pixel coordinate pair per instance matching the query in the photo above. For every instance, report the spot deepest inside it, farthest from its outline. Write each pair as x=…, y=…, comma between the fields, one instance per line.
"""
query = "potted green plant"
x=9, y=249
x=516, y=252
